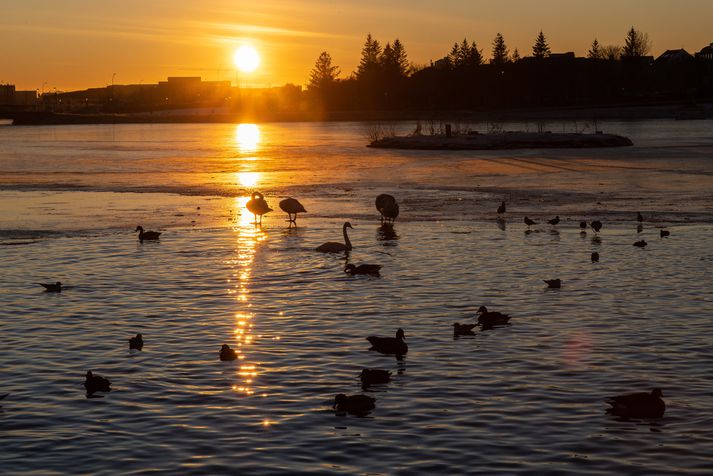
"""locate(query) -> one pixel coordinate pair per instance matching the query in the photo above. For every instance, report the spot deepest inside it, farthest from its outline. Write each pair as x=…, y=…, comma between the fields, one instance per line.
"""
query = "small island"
x=501, y=141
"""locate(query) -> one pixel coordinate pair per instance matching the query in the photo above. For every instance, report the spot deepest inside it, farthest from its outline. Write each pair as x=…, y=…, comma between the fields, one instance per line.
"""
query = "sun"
x=246, y=59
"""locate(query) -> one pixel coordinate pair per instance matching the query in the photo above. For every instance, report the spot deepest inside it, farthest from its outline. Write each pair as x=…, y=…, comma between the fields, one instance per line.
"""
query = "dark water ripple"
x=526, y=398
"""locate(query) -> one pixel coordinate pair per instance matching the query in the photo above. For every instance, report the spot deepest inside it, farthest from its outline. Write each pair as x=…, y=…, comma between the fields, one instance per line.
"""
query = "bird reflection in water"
x=500, y=222
x=386, y=232
x=249, y=238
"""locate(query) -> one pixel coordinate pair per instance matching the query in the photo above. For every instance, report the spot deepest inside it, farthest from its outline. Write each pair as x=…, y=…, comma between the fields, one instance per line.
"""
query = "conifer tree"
x=515, y=56
x=400, y=58
x=370, y=56
x=595, y=52
x=636, y=45
x=501, y=55
x=541, y=49
x=324, y=74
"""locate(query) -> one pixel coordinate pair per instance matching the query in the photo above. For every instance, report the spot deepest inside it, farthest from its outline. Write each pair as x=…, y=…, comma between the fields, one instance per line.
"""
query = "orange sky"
x=73, y=44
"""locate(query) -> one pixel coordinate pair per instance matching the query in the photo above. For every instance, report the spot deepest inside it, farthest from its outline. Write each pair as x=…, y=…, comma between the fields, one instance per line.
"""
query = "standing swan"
x=258, y=206
x=387, y=206
x=333, y=246
x=292, y=207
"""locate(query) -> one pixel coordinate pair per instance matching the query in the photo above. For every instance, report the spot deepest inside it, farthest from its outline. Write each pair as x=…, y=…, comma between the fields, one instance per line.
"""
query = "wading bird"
x=292, y=207
x=257, y=206
x=387, y=206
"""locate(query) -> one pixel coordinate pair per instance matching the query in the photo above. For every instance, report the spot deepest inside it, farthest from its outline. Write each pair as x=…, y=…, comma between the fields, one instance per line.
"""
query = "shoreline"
x=502, y=141
x=678, y=111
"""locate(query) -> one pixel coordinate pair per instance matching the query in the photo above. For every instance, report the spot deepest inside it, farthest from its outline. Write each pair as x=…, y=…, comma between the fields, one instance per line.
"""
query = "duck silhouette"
x=136, y=342
x=595, y=257
x=52, y=287
x=374, y=377
x=387, y=207
x=227, y=354
x=147, y=235
x=555, y=221
x=292, y=207
x=596, y=225
x=501, y=208
x=355, y=404
x=638, y=405
x=639, y=217
x=335, y=247
x=641, y=244
x=664, y=233
x=583, y=225
x=553, y=283
x=96, y=383
x=491, y=318
x=389, y=345
x=463, y=329
x=529, y=222
x=257, y=206
x=372, y=269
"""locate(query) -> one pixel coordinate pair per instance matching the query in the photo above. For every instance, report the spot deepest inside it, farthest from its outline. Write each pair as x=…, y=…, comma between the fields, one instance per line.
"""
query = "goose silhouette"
x=96, y=383
x=354, y=404
x=554, y=221
x=501, y=208
x=389, y=345
x=136, y=342
x=529, y=222
x=52, y=287
x=374, y=377
x=596, y=225
x=292, y=207
x=147, y=235
x=372, y=269
x=335, y=247
x=257, y=206
x=638, y=405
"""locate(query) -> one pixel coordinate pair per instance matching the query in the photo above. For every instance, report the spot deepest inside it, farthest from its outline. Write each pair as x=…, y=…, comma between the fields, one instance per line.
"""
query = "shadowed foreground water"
x=525, y=398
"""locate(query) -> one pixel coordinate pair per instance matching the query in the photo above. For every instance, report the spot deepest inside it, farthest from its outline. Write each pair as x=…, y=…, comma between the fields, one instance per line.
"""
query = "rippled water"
x=526, y=398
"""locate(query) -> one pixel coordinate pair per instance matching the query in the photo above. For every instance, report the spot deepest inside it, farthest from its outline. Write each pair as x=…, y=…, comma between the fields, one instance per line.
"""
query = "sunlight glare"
x=246, y=59
x=247, y=136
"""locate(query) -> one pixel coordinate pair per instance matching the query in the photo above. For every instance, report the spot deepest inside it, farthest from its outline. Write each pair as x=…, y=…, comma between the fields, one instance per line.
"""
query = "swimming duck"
x=227, y=354
x=387, y=207
x=501, y=208
x=583, y=225
x=333, y=246
x=664, y=233
x=52, y=288
x=257, y=206
x=96, y=383
x=463, y=329
x=354, y=404
x=389, y=345
x=638, y=405
x=596, y=225
x=491, y=318
x=147, y=235
x=554, y=221
x=292, y=207
x=640, y=244
x=639, y=217
x=529, y=222
x=595, y=257
x=374, y=377
x=553, y=283
x=136, y=342
x=372, y=269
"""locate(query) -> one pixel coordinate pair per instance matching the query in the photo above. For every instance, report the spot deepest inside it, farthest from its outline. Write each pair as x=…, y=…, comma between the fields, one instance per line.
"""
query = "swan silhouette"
x=387, y=206
x=257, y=206
x=333, y=246
x=292, y=206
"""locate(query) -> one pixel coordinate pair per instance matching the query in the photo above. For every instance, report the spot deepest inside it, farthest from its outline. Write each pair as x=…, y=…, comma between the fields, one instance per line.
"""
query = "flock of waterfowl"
x=635, y=405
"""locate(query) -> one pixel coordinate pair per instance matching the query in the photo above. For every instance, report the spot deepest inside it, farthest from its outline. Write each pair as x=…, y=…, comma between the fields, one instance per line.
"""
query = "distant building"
x=9, y=96
x=706, y=53
x=674, y=56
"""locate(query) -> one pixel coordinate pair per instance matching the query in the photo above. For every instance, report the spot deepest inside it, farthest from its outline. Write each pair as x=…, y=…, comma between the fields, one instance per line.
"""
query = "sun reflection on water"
x=249, y=238
x=247, y=137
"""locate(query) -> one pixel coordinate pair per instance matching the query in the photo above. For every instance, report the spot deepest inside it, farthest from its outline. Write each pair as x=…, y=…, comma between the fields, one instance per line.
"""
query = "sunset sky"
x=73, y=44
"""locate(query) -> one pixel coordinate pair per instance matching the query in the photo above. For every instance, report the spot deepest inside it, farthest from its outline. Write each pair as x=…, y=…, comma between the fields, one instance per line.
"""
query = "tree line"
x=385, y=79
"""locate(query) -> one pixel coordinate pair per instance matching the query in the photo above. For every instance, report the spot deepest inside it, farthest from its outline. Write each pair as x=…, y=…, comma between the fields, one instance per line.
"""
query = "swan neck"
x=346, y=238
